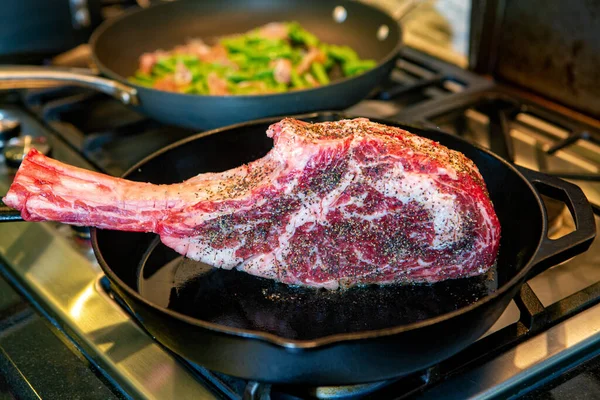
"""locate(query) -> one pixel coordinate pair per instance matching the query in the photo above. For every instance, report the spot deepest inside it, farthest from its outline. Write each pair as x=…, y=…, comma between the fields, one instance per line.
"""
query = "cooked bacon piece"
x=216, y=85
x=311, y=80
x=182, y=75
x=313, y=55
x=166, y=83
x=282, y=70
x=148, y=60
x=274, y=30
x=198, y=48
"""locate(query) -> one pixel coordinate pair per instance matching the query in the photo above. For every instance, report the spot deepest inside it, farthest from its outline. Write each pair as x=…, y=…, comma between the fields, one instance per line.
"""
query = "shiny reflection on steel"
x=80, y=301
x=383, y=32
x=257, y=390
x=80, y=14
x=339, y=14
x=19, y=77
x=453, y=87
x=510, y=316
x=345, y=392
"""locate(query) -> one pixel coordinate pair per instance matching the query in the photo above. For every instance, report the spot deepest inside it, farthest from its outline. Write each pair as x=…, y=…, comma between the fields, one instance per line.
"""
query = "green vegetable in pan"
x=274, y=58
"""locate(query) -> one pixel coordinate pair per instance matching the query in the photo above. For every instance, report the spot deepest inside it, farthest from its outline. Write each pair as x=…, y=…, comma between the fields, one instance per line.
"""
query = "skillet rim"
x=338, y=337
x=108, y=24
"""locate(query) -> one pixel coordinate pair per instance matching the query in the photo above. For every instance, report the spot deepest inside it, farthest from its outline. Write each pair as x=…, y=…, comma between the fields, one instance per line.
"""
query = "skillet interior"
x=235, y=300
x=247, y=302
x=118, y=45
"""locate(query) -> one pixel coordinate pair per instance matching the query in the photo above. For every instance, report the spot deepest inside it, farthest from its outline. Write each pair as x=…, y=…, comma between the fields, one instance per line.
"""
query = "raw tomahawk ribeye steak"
x=332, y=205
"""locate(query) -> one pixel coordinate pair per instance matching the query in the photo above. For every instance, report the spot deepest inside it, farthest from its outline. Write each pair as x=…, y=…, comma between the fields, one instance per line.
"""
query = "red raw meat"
x=331, y=205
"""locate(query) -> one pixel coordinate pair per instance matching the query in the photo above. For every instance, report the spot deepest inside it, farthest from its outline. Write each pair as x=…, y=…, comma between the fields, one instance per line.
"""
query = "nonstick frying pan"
x=118, y=43
x=258, y=329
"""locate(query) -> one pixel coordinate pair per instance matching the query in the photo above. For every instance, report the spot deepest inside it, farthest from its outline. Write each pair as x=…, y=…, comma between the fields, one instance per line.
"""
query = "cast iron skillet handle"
x=552, y=252
x=8, y=214
x=19, y=77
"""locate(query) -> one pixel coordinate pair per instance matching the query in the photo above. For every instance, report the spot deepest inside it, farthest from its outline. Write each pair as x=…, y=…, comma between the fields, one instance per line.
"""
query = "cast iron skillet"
x=118, y=43
x=261, y=330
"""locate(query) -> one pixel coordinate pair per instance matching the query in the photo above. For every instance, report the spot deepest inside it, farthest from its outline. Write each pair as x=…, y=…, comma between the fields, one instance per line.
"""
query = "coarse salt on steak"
x=332, y=205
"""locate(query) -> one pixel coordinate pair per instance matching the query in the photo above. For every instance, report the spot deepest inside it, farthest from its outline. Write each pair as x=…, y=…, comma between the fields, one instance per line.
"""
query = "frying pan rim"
x=309, y=344
x=106, y=25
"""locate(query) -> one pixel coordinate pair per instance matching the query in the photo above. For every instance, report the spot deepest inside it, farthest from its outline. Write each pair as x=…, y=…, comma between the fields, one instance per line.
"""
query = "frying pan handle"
x=19, y=77
x=555, y=251
x=8, y=214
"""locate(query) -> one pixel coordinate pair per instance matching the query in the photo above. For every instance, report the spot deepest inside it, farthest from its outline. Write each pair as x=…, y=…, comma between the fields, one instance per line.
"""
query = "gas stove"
x=552, y=326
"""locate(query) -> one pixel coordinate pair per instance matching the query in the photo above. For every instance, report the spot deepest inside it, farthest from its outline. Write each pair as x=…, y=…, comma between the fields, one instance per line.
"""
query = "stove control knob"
x=16, y=149
x=9, y=128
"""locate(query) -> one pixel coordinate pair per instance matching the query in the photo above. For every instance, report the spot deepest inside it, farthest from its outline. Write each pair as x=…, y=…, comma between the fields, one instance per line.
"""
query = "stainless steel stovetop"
x=554, y=323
